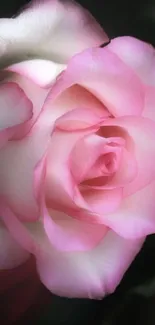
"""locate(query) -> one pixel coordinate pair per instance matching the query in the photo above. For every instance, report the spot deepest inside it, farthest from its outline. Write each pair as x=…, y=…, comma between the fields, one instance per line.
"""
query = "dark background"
x=134, y=300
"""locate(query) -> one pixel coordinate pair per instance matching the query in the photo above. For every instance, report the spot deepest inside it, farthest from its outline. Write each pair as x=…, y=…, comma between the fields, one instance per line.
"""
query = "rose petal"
x=16, y=109
x=97, y=70
x=80, y=118
x=91, y=274
x=66, y=195
x=41, y=72
x=84, y=155
x=149, y=109
x=85, y=164
x=98, y=201
x=19, y=158
x=49, y=29
x=64, y=232
x=68, y=234
x=11, y=253
x=17, y=162
x=79, y=105
x=58, y=173
x=17, y=229
x=126, y=173
x=135, y=216
x=142, y=131
x=139, y=55
x=36, y=94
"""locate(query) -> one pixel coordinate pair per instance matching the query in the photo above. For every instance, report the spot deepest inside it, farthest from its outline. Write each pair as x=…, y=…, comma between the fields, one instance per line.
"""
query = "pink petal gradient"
x=15, y=110
x=149, y=109
x=49, y=29
x=17, y=163
x=140, y=56
x=19, y=158
x=135, y=216
x=137, y=54
x=84, y=155
x=81, y=118
x=58, y=173
x=41, y=72
x=87, y=162
x=64, y=232
x=126, y=173
x=35, y=94
x=18, y=230
x=142, y=132
x=11, y=253
x=73, y=100
x=68, y=234
x=92, y=274
x=97, y=70
x=66, y=195
x=98, y=201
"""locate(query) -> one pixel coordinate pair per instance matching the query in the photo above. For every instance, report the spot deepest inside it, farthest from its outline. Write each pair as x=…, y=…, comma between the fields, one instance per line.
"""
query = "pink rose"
x=77, y=178
x=45, y=35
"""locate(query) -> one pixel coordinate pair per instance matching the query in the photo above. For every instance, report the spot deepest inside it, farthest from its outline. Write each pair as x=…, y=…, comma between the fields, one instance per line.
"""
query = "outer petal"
x=149, y=109
x=41, y=72
x=142, y=132
x=68, y=234
x=91, y=274
x=15, y=110
x=34, y=93
x=97, y=70
x=139, y=55
x=136, y=215
x=19, y=158
x=11, y=253
x=50, y=29
x=15, y=107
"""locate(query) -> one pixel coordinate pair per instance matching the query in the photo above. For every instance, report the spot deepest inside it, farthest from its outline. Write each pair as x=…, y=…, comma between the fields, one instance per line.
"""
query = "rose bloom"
x=77, y=150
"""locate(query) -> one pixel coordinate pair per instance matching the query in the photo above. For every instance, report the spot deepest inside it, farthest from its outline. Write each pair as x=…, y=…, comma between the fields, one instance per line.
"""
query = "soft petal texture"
x=58, y=175
x=19, y=158
x=135, y=216
x=149, y=109
x=99, y=201
x=41, y=72
x=16, y=228
x=49, y=29
x=142, y=133
x=64, y=99
x=67, y=234
x=15, y=107
x=64, y=232
x=139, y=55
x=91, y=274
x=11, y=253
x=87, y=162
x=97, y=70
x=16, y=110
x=27, y=153
x=17, y=163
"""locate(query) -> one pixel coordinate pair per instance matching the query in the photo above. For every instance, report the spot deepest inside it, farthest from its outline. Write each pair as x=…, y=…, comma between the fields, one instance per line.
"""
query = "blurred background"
x=134, y=300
